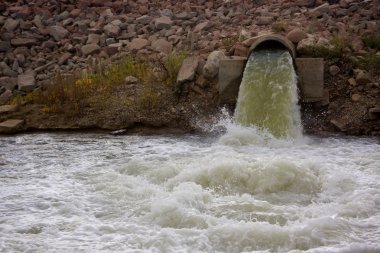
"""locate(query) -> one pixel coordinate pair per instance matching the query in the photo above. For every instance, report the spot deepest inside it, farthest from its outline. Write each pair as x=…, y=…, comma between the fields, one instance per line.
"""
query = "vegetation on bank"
x=98, y=86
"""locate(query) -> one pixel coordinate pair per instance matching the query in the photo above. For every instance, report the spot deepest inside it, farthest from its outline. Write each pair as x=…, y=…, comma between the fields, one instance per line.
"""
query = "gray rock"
x=211, y=68
x=352, y=82
x=5, y=96
x=264, y=20
x=137, y=44
x=58, y=32
x=202, y=26
x=9, y=83
x=334, y=70
x=7, y=108
x=90, y=49
x=305, y=45
x=320, y=10
x=110, y=41
x=162, y=45
x=188, y=70
x=296, y=35
x=131, y=80
x=64, y=58
x=26, y=82
x=27, y=42
x=11, y=126
x=9, y=72
x=363, y=78
x=355, y=97
x=182, y=15
x=114, y=48
x=166, y=12
x=5, y=46
x=93, y=38
x=144, y=20
x=11, y=24
x=163, y=23
x=111, y=30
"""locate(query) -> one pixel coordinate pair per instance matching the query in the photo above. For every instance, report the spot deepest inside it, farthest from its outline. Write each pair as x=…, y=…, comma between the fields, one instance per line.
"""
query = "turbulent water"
x=242, y=191
x=268, y=94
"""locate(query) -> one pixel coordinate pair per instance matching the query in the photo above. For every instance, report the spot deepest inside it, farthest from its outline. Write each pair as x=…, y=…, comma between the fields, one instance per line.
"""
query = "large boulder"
x=137, y=44
x=90, y=49
x=163, y=23
x=26, y=42
x=7, y=108
x=162, y=45
x=11, y=126
x=188, y=69
x=58, y=32
x=111, y=30
x=296, y=35
x=26, y=83
x=211, y=68
x=306, y=45
x=11, y=24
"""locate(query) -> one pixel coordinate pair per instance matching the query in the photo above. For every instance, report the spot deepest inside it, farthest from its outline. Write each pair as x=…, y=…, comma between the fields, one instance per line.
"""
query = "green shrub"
x=370, y=63
x=172, y=63
x=93, y=88
x=372, y=42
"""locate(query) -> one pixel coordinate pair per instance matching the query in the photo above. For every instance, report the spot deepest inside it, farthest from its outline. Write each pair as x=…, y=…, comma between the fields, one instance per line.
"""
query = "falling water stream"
x=242, y=190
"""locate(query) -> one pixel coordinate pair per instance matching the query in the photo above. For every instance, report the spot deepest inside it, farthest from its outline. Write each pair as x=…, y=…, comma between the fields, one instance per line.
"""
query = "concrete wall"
x=229, y=79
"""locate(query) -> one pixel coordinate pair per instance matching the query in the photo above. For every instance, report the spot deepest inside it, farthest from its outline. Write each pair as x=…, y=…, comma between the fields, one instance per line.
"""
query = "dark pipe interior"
x=270, y=44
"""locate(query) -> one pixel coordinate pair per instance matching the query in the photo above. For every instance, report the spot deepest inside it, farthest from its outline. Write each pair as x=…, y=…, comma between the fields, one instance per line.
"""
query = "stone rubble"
x=40, y=38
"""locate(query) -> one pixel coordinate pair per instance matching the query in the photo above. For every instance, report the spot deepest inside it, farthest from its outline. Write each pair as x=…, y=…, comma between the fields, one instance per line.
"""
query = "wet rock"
x=58, y=32
x=188, y=70
x=211, y=68
x=339, y=124
x=334, y=70
x=137, y=44
x=296, y=35
x=26, y=83
x=11, y=126
x=163, y=23
x=90, y=49
x=162, y=45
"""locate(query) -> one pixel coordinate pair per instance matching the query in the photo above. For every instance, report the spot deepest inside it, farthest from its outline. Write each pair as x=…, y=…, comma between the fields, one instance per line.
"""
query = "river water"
x=238, y=191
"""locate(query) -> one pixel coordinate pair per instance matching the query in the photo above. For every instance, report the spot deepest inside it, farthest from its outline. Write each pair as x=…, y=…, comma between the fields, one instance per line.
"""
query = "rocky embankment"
x=40, y=39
